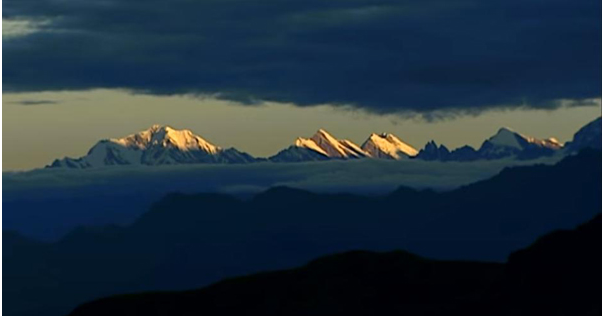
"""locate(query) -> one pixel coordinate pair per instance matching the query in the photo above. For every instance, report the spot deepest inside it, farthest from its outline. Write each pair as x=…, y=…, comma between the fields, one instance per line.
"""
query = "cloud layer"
x=120, y=194
x=361, y=176
x=383, y=56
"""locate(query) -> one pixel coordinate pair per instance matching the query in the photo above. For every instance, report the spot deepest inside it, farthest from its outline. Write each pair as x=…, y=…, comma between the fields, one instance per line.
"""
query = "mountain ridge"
x=366, y=283
x=187, y=240
x=164, y=145
x=507, y=143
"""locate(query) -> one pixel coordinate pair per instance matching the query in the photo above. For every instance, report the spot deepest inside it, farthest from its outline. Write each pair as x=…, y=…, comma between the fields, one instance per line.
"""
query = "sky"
x=256, y=75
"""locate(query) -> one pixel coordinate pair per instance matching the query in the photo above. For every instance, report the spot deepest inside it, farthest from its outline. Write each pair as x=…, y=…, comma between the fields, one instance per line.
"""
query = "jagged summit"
x=324, y=143
x=432, y=151
x=321, y=146
x=322, y=131
x=388, y=146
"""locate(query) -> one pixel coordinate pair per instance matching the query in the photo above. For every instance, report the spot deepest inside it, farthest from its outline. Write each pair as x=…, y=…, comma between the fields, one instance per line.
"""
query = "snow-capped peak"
x=550, y=142
x=158, y=145
x=506, y=137
x=387, y=145
x=323, y=137
x=326, y=144
x=166, y=136
x=309, y=144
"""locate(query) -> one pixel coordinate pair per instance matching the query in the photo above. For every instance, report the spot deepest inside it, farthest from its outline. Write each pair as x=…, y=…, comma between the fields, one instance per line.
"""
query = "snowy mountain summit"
x=388, y=146
x=158, y=136
x=506, y=143
x=158, y=145
x=509, y=138
x=321, y=146
x=323, y=142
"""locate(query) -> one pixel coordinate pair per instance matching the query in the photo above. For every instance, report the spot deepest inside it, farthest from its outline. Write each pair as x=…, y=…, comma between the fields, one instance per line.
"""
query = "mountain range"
x=190, y=240
x=557, y=275
x=505, y=143
x=164, y=145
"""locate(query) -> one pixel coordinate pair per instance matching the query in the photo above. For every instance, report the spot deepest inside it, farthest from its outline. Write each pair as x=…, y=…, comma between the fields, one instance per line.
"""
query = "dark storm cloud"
x=384, y=56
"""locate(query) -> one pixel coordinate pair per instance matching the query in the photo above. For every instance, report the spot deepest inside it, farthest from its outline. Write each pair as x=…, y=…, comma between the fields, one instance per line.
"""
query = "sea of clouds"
x=46, y=204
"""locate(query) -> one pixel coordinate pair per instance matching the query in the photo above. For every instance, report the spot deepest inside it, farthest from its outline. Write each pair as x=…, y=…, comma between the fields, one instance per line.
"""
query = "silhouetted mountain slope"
x=186, y=241
x=559, y=275
x=521, y=200
x=14, y=245
x=353, y=283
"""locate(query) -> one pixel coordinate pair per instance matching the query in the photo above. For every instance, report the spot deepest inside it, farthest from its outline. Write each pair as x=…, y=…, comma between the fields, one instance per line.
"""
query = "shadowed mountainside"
x=353, y=283
x=187, y=241
x=558, y=275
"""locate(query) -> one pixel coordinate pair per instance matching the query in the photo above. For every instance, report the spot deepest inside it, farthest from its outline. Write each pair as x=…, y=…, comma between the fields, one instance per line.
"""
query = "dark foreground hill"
x=559, y=275
x=188, y=241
